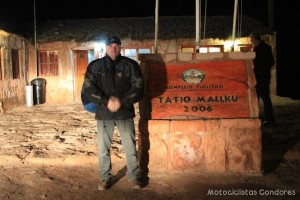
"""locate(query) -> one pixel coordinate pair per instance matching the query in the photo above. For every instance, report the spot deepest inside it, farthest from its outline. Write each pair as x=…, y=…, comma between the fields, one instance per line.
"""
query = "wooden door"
x=81, y=63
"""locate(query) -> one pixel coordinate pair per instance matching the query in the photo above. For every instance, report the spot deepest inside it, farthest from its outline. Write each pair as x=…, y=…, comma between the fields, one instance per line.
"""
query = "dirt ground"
x=49, y=152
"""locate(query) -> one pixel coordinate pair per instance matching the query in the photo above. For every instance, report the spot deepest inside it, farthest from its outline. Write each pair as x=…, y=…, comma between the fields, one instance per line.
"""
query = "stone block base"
x=220, y=145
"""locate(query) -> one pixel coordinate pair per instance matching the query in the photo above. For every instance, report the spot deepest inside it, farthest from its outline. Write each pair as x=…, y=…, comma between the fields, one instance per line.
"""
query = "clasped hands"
x=113, y=104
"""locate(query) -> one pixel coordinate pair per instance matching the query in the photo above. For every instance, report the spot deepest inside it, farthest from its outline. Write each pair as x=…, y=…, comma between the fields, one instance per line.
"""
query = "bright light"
x=228, y=45
x=209, y=49
x=100, y=49
x=203, y=50
x=214, y=49
x=100, y=46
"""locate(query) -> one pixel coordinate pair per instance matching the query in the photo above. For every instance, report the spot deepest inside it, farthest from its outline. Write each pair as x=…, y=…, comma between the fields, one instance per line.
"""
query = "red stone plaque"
x=199, y=90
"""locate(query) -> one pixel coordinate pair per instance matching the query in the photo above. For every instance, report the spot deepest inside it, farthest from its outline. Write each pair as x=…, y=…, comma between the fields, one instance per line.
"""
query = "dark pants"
x=263, y=92
x=105, y=130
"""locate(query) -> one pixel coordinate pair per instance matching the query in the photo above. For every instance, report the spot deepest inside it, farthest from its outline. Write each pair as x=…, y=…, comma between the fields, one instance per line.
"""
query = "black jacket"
x=121, y=78
x=263, y=61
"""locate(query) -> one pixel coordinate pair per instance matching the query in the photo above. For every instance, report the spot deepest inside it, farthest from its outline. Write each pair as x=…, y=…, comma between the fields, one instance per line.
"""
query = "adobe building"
x=200, y=112
x=13, y=70
x=65, y=47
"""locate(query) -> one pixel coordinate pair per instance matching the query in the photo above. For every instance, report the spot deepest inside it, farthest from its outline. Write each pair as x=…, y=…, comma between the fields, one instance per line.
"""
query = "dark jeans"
x=263, y=92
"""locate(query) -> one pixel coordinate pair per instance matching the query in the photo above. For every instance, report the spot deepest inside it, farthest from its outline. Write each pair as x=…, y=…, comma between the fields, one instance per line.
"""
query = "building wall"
x=61, y=88
x=12, y=91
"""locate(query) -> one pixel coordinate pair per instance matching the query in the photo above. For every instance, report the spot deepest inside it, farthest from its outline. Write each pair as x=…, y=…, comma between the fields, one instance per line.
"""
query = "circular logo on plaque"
x=193, y=76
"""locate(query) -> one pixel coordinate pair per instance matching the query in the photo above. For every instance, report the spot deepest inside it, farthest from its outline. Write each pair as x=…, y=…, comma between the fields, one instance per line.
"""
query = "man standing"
x=114, y=83
x=263, y=63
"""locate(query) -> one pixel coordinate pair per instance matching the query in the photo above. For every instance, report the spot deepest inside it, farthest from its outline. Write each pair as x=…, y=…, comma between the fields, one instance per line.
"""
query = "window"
x=203, y=49
x=133, y=52
x=210, y=49
x=15, y=63
x=48, y=63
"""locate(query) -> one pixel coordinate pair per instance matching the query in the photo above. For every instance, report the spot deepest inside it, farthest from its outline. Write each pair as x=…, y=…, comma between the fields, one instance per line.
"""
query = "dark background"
x=22, y=11
x=17, y=16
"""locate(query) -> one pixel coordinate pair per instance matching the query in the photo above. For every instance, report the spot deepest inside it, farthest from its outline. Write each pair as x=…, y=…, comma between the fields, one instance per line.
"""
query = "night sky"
x=17, y=16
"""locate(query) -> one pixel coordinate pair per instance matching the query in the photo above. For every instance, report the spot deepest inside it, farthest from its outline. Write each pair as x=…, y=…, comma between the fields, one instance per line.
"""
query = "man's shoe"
x=135, y=184
x=104, y=184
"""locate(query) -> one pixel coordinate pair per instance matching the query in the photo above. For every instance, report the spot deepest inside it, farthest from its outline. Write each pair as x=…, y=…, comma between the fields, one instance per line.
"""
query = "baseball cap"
x=113, y=39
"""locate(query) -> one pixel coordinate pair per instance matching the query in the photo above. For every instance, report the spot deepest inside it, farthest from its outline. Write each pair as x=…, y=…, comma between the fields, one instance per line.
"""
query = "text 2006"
x=198, y=108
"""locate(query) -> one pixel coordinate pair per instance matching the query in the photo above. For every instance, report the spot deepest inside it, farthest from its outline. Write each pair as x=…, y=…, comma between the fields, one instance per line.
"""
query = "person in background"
x=263, y=63
x=114, y=83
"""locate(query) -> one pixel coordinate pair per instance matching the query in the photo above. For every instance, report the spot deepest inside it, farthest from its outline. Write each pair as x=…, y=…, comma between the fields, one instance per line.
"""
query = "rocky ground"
x=49, y=152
